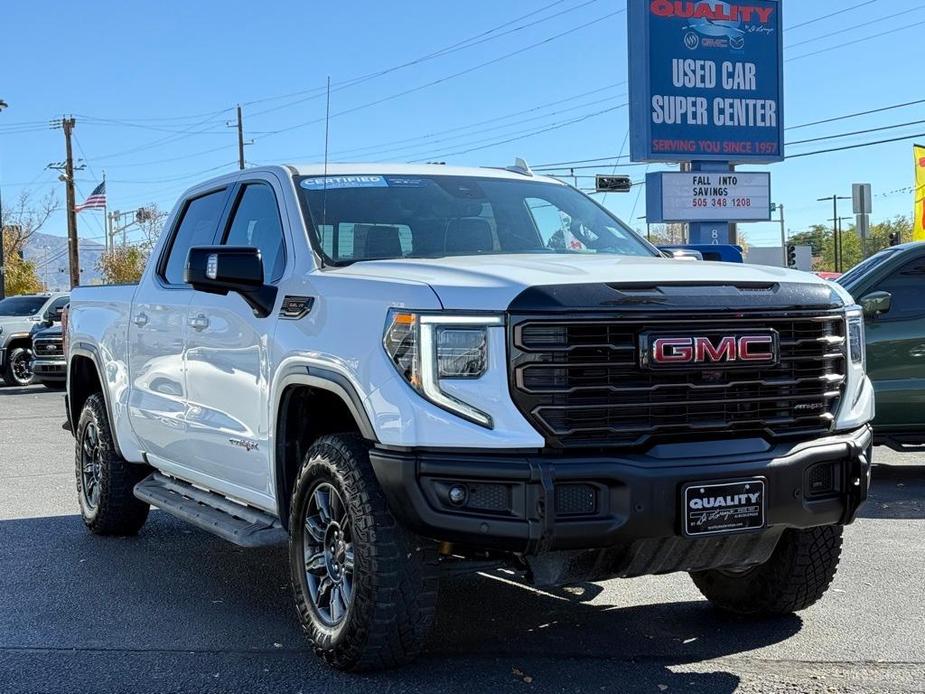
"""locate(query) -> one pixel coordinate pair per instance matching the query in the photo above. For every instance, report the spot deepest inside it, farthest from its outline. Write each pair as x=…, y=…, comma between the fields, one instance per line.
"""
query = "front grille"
x=50, y=347
x=582, y=384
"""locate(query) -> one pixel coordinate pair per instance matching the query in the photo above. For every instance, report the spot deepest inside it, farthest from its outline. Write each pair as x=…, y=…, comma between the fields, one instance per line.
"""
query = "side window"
x=57, y=306
x=256, y=224
x=197, y=228
x=907, y=285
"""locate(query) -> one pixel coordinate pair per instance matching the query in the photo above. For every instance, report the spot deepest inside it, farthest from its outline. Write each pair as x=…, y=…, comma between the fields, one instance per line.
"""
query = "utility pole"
x=836, y=230
x=67, y=124
x=240, y=126
x=783, y=231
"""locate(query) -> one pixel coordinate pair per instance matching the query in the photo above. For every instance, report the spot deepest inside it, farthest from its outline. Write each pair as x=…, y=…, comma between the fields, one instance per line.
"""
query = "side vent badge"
x=296, y=307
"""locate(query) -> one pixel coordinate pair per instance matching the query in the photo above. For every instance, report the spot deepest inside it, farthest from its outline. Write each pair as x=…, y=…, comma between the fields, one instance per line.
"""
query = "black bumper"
x=51, y=370
x=536, y=504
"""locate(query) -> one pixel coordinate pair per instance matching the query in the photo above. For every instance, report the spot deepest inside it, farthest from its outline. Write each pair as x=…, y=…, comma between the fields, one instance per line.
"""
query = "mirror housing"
x=876, y=303
x=677, y=253
x=223, y=269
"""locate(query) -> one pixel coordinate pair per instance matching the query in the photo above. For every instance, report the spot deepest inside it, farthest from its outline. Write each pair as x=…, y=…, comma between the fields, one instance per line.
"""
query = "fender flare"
x=323, y=378
x=90, y=351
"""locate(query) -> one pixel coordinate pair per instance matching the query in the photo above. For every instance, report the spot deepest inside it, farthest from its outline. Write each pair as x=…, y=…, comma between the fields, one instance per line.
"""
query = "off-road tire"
x=797, y=575
x=394, y=592
x=9, y=375
x=117, y=511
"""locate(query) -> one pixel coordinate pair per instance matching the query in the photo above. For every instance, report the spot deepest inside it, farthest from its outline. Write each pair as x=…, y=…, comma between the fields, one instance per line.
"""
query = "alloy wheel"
x=21, y=367
x=91, y=466
x=327, y=544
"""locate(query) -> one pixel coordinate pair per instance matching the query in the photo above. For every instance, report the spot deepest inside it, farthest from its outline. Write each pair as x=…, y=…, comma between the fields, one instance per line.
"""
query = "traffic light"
x=792, y=257
x=895, y=239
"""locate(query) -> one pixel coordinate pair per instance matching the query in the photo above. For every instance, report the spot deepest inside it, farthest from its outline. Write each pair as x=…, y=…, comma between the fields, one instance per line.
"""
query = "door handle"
x=200, y=322
x=141, y=319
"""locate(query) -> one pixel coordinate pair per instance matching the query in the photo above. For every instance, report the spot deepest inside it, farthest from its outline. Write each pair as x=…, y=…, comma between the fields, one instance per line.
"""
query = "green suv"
x=890, y=286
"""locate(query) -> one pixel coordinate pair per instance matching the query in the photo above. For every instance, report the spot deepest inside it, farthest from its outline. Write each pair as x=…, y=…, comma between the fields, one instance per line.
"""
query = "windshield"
x=377, y=217
x=864, y=267
x=22, y=306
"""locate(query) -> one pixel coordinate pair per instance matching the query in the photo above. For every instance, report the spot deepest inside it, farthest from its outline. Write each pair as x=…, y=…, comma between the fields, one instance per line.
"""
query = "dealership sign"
x=708, y=196
x=706, y=80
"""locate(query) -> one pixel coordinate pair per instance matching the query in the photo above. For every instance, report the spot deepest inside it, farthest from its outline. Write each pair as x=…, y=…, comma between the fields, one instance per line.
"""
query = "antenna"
x=327, y=129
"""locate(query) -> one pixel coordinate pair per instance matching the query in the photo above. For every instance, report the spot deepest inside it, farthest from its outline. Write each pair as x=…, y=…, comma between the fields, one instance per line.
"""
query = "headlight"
x=856, y=347
x=428, y=348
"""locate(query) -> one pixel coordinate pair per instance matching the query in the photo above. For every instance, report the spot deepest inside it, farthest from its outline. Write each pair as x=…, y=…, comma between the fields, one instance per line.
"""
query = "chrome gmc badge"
x=730, y=350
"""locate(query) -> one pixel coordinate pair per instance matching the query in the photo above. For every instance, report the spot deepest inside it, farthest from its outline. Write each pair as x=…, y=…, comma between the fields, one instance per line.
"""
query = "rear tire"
x=18, y=369
x=365, y=587
x=797, y=575
x=105, y=480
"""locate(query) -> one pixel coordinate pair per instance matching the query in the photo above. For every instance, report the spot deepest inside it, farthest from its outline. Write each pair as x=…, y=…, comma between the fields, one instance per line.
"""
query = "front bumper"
x=538, y=504
x=49, y=369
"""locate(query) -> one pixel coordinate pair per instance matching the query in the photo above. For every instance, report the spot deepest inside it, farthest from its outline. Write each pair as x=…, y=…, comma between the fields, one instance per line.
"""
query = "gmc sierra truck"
x=406, y=370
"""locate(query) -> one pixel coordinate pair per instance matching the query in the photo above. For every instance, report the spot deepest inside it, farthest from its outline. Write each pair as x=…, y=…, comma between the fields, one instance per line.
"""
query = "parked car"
x=49, y=367
x=890, y=286
x=408, y=370
x=19, y=315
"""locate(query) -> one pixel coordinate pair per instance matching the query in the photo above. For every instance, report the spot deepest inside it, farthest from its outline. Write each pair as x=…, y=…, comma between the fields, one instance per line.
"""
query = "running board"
x=242, y=525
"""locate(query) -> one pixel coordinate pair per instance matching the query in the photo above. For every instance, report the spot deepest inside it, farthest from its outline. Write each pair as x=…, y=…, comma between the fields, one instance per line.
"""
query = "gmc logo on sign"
x=730, y=350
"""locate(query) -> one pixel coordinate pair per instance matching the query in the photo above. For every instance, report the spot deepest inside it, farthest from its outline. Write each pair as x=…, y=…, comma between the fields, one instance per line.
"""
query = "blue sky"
x=152, y=84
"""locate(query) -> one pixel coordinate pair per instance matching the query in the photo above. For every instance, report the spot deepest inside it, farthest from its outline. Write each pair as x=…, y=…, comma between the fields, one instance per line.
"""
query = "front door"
x=228, y=361
x=896, y=351
x=157, y=331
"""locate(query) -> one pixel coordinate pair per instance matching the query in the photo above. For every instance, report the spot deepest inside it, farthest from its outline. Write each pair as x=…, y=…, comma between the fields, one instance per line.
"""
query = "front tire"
x=18, y=369
x=105, y=480
x=797, y=575
x=365, y=588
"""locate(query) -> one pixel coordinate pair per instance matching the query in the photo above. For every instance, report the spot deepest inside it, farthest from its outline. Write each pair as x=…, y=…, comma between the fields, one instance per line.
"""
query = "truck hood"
x=492, y=282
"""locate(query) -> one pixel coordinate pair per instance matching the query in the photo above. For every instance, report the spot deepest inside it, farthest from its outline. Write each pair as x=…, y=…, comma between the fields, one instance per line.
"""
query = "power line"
x=831, y=14
x=857, y=146
x=856, y=41
x=852, y=28
x=858, y=114
x=425, y=146
x=446, y=78
x=378, y=148
x=857, y=132
x=321, y=89
x=555, y=126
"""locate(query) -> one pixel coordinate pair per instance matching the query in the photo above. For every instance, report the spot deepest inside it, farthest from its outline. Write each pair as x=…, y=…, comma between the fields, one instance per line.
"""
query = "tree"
x=122, y=265
x=18, y=223
x=126, y=264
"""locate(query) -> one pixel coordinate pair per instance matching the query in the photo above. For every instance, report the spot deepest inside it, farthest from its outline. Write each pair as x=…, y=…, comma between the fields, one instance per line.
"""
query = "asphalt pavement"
x=177, y=610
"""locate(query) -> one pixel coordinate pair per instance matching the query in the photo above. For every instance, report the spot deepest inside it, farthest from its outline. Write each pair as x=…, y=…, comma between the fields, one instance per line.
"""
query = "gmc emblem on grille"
x=729, y=350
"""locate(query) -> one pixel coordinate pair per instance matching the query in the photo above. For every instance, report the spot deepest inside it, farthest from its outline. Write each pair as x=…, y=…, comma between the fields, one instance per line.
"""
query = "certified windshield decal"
x=336, y=182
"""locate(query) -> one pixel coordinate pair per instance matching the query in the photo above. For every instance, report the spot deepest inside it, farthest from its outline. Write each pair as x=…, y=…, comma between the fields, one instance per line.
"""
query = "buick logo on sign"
x=730, y=350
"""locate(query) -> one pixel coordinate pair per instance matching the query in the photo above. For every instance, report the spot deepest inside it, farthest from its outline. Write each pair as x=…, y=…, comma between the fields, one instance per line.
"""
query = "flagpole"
x=106, y=214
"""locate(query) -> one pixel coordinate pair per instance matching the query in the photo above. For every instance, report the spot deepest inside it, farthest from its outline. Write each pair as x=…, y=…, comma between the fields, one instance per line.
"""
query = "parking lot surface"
x=177, y=610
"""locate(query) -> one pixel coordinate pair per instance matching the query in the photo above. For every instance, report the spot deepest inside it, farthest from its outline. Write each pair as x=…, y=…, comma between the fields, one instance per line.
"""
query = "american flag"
x=96, y=200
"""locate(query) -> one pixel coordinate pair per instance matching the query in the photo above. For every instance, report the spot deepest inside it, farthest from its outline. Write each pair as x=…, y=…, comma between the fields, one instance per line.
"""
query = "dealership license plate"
x=729, y=507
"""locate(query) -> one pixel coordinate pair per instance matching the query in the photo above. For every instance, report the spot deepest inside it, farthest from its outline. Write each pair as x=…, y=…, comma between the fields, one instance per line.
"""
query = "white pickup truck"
x=408, y=370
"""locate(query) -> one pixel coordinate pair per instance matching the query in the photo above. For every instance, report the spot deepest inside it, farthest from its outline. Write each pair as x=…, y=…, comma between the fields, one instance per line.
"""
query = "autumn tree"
x=125, y=264
x=19, y=222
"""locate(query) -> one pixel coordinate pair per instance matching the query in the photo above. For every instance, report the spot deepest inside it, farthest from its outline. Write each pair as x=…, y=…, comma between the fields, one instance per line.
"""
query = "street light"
x=3, y=105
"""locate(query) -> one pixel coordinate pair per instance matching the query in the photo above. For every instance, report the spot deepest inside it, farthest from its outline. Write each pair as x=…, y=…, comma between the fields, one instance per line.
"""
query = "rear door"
x=157, y=330
x=228, y=357
x=896, y=349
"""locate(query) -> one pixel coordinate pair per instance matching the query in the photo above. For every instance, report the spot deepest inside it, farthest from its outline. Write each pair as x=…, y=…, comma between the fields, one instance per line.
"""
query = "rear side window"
x=256, y=224
x=197, y=228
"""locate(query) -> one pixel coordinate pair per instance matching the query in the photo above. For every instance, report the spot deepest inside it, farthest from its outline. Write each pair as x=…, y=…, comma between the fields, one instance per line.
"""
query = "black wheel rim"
x=20, y=366
x=327, y=549
x=91, y=465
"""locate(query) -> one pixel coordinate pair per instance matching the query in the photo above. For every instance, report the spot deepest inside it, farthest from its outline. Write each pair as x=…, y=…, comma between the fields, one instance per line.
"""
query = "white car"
x=404, y=370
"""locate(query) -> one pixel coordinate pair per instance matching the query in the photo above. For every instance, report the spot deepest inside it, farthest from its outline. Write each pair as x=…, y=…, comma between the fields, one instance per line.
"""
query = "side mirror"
x=223, y=269
x=876, y=303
